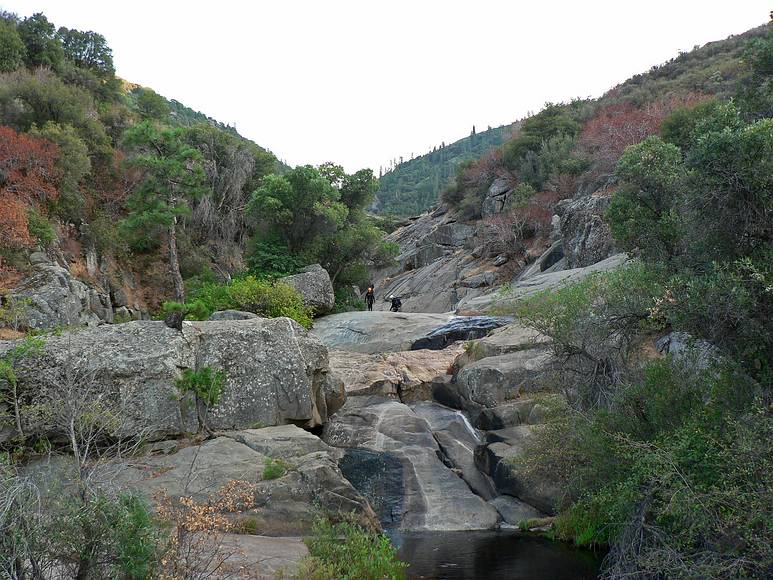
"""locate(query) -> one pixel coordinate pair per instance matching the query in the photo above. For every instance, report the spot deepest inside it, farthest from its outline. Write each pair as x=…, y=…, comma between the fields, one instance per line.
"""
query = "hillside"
x=414, y=186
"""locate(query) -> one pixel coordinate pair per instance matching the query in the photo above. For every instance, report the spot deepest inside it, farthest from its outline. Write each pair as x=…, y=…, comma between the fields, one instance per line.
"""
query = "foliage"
x=298, y=206
x=347, y=300
x=205, y=383
x=12, y=49
x=262, y=297
x=268, y=258
x=42, y=46
x=40, y=228
x=88, y=50
x=274, y=468
x=151, y=105
x=347, y=550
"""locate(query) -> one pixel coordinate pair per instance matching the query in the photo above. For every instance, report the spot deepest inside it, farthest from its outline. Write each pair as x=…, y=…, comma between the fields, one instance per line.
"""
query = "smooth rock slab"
x=433, y=497
x=378, y=331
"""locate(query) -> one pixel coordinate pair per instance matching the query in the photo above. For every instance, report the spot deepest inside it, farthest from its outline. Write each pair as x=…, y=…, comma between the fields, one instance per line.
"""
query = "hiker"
x=396, y=303
x=370, y=296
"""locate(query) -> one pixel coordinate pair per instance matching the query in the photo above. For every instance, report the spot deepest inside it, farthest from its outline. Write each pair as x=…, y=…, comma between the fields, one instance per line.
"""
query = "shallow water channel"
x=492, y=555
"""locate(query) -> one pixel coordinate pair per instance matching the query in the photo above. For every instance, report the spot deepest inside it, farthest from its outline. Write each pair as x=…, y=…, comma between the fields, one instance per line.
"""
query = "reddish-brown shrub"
x=27, y=167
x=606, y=135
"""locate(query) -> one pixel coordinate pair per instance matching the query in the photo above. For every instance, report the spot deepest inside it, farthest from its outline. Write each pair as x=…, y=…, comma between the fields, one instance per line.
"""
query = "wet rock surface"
x=433, y=496
x=459, y=328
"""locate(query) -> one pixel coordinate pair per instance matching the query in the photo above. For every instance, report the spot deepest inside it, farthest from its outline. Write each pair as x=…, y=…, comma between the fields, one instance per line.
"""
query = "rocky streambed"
x=354, y=417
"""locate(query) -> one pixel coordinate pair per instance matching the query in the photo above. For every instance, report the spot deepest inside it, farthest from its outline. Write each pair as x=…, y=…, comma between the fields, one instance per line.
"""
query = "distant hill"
x=712, y=69
x=413, y=186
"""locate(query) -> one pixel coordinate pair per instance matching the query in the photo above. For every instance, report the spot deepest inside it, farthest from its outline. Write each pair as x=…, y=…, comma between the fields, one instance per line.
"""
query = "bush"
x=263, y=297
x=347, y=550
x=347, y=300
x=274, y=468
x=40, y=228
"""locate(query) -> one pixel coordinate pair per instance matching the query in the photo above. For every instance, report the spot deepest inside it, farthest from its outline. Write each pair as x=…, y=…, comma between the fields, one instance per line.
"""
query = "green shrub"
x=274, y=468
x=207, y=386
x=263, y=297
x=347, y=550
x=347, y=300
x=40, y=228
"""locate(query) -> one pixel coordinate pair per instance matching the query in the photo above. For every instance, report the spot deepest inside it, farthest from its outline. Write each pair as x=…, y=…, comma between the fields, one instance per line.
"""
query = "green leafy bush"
x=347, y=550
x=40, y=228
x=274, y=468
x=263, y=297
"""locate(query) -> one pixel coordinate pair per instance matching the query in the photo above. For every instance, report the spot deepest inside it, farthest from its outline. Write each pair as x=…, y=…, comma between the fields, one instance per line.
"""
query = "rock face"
x=56, y=299
x=276, y=373
x=378, y=331
x=496, y=197
x=437, y=266
x=282, y=506
x=395, y=454
x=407, y=376
x=526, y=287
x=510, y=338
x=314, y=285
x=587, y=238
x=459, y=328
x=501, y=461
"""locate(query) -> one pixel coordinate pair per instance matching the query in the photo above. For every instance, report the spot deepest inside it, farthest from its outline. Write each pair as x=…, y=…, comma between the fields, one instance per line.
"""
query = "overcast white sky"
x=360, y=82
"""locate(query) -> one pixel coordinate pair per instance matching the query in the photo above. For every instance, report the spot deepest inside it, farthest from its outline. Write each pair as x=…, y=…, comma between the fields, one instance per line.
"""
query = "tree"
x=173, y=176
x=88, y=50
x=42, y=46
x=12, y=50
x=643, y=215
x=298, y=206
x=151, y=105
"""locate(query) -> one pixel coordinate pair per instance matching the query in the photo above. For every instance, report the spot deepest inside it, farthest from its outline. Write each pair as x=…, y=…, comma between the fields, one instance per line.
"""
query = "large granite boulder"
x=394, y=459
x=495, y=380
x=512, y=337
x=407, y=376
x=587, y=238
x=378, y=331
x=314, y=285
x=276, y=373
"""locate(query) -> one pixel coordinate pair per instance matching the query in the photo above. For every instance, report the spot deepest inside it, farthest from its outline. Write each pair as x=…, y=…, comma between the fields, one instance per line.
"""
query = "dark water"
x=492, y=555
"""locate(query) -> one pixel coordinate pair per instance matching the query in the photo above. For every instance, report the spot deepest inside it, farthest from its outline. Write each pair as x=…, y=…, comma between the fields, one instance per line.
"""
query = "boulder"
x=407, y=376
x=314, y=285
x=509, y=338
x=276, y=373
x=391, y=450
x=478, y=280
x=232, y=315
x=459, y=328
x=496, y=197
x=495, y=380
x=587, y=238
x=378, y=331
x=683, y=347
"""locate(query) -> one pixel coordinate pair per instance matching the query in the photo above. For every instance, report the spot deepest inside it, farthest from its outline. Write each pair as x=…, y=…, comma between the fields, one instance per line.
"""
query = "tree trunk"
x=174, y=263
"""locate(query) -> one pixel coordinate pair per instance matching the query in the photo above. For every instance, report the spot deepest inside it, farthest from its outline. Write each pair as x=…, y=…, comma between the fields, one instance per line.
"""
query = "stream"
x=492, y=555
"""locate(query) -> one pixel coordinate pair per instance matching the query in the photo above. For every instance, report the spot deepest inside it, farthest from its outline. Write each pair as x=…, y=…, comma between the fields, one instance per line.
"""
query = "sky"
x=361, y=82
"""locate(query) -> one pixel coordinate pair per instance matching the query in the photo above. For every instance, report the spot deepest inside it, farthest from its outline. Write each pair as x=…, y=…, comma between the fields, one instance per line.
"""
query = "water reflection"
x=494, y=555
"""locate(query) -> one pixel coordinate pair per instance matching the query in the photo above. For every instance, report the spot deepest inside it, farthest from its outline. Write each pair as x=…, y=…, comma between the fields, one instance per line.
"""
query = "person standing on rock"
x=370, y=297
